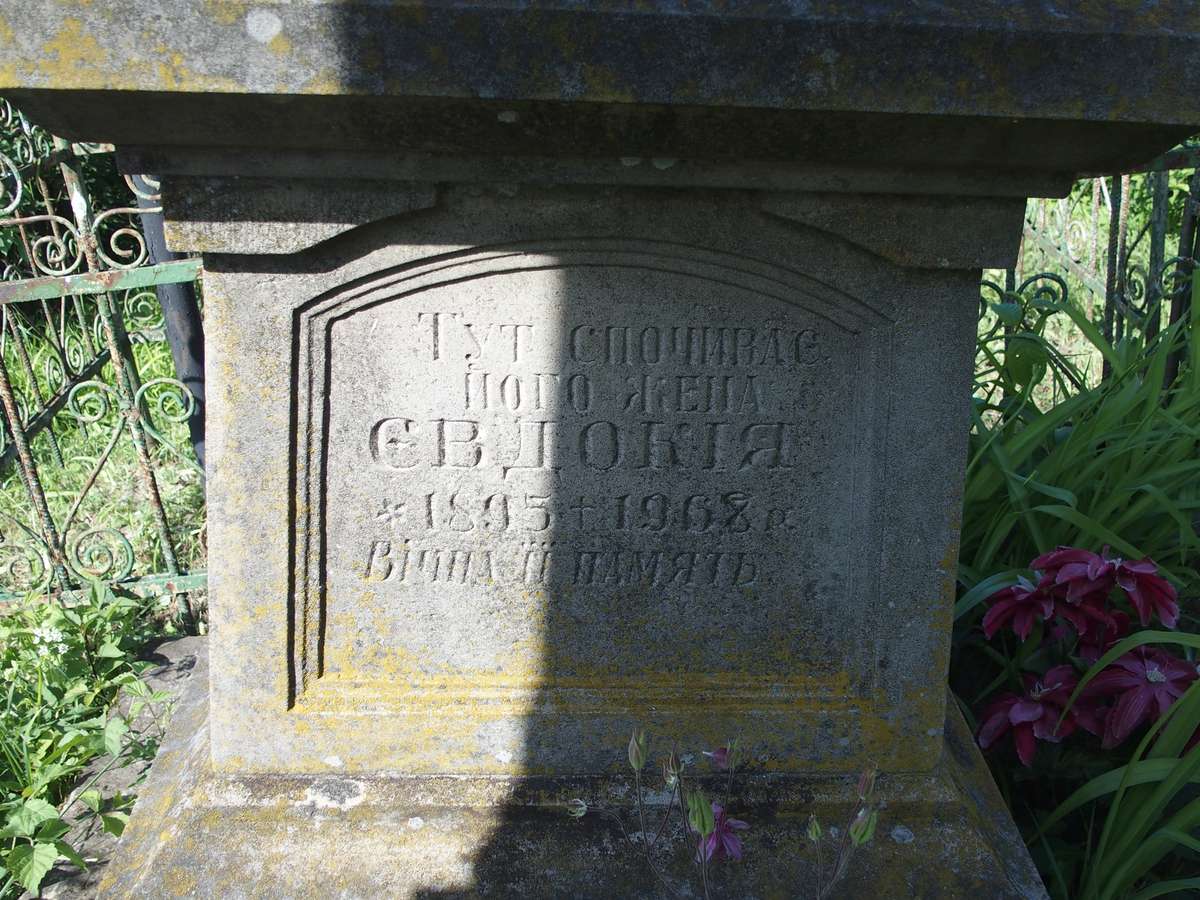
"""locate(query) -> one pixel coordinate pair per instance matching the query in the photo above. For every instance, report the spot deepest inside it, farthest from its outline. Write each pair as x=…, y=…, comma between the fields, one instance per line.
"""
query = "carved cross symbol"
x=392, y=513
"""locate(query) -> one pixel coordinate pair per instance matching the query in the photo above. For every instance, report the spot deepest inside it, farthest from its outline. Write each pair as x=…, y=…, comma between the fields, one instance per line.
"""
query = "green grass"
x=117, y=501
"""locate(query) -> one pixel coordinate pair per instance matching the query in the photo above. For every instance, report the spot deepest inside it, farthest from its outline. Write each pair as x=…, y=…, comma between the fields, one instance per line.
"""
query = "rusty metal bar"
x=1159, y=184
x=133, y=418
x=18, y=339
x=1179, y=158
x=1188, y=250
x=29, y=475
x=1086, y=278
x=50, y=288
x=182, y=321
x=121, y=354
x=1110, y=278
x=150, y=584
x=1120, y=301
x=55, y=405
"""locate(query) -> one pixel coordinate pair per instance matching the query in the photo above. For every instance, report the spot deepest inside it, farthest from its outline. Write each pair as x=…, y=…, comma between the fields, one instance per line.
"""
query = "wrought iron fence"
x=79, y=415
x=1135, y=268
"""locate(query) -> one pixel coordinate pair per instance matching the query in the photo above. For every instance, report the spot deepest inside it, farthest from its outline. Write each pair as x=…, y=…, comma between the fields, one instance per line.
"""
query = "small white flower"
x=47, y=635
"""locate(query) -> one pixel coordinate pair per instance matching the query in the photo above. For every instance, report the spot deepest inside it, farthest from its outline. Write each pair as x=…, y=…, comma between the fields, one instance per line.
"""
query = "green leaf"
x=92, y=799
x=1025, y=359
x=1096, y=532
x=1167, y=887
x=1009, y=313
x=114, y=732
x=110, y=650
x=1146, y=771
x=29, y=815
x=29, y=864
x=1056, y=493
x=52, y=830
x=985, y=589
x=114, y=823
x=700, y=814
x=135, y=687
x=65, y=849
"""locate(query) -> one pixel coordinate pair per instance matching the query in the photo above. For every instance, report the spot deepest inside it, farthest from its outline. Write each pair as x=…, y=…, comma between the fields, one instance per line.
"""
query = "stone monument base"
x=197, y=833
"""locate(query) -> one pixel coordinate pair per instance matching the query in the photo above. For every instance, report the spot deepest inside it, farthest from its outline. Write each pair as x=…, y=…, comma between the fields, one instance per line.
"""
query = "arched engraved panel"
x=583, y=463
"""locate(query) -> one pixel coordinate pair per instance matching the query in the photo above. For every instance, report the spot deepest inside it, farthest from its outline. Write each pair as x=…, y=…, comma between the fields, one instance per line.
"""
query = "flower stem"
x=646, y=845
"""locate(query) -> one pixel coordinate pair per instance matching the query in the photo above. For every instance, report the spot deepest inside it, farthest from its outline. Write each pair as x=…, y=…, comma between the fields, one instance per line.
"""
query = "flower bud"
x=862, y=829
x=577, y=808
x=814, y=828
x=700, y=814
x=866, y=783
x=670, y=769
x=637, y=749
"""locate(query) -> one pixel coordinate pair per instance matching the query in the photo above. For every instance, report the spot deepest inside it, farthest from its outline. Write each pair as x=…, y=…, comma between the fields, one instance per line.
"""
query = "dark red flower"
x=1090, y=577
x=719, y=757
x=1023, y=604
x=721, y=842
x=1149, y=592
x=1081, y=572
x=1085, y=615
x=1101, y=635
x=1035, y=716
x=1145, y=681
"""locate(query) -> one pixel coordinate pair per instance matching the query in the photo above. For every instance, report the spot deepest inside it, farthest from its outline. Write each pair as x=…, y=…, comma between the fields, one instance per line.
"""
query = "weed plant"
x=61, y=669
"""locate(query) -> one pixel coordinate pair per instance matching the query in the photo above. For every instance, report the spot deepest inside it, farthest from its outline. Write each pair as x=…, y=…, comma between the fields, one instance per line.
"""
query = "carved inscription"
x=628, y=439
x=628, y=399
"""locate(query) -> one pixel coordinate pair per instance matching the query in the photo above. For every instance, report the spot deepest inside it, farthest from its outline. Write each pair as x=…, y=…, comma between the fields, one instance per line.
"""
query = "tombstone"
x=572, y=370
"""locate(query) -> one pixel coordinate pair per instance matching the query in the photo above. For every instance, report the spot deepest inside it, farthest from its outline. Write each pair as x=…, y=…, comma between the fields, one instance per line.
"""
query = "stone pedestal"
x=197, y=833
x=576, y=370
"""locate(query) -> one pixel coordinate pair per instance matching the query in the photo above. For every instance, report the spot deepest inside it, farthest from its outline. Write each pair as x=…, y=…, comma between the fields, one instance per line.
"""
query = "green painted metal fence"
x=92, y=419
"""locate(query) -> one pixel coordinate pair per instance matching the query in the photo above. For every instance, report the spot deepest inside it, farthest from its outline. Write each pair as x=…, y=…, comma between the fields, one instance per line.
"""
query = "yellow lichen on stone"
x=224, y=12
x=68, y=57
x=179, y=881
x=325, y=81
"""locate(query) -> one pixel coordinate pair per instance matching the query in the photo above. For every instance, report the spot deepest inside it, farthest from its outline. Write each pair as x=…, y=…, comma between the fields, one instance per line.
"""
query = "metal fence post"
x=181, y=312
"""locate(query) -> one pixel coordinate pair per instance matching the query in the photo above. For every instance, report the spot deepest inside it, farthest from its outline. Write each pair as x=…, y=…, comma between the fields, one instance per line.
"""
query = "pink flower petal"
x=993, y=728
x=1130, y=711
x=1025, y=711
x=1026, y=744
x=733, y=847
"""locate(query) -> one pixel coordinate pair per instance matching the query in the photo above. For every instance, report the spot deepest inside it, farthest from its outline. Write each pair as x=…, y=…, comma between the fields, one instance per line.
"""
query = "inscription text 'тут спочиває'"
x=625, y=401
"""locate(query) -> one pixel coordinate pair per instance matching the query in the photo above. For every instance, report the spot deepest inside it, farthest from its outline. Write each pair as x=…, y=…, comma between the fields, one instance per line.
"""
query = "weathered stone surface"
x=575, y=366
x=195, y=833
x=274, y=216
x=569, y=459
x=984, y=84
